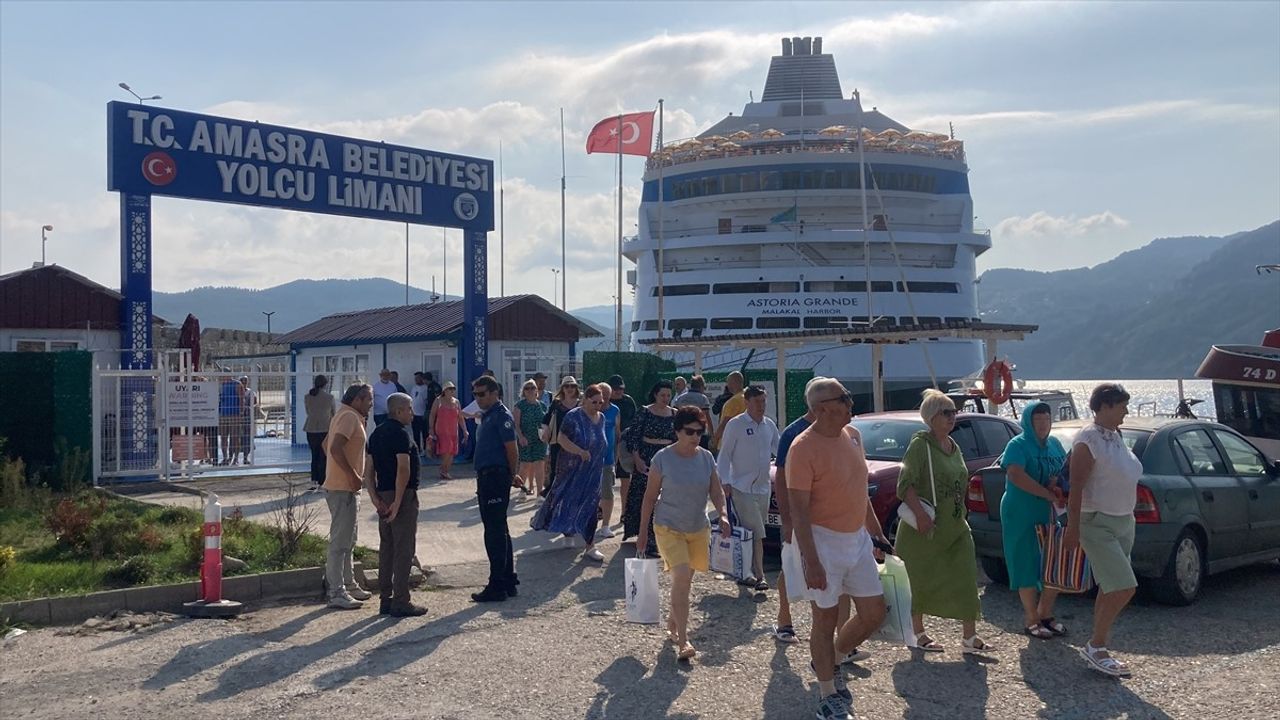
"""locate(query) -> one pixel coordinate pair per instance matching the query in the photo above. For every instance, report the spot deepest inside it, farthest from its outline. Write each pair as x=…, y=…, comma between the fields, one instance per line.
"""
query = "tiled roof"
x=410, y=322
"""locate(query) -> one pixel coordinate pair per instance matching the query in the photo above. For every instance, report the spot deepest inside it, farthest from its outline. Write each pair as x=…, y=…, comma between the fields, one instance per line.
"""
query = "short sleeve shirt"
x=386, y=444
x=789, y=436
x=1112, y=487
x=834, y=471
x=694, y=398
x=349, y=424
x=421, y=394
x=686, y=483
x=497, y=427
x=733, y=407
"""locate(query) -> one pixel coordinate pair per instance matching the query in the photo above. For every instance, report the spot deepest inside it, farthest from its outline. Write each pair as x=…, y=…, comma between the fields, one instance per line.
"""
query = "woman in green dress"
x=528, y=415
x=1033, y=465
x=938, y=552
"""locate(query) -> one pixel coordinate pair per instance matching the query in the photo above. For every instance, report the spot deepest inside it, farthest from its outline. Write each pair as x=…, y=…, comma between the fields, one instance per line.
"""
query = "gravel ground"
x=564, y=650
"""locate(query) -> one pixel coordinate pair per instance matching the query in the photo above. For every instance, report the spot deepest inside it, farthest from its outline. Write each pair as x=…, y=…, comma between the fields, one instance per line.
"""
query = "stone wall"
x=218, y=343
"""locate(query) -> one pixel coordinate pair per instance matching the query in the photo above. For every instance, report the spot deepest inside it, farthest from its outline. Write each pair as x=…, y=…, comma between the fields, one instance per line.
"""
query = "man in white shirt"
x=421, y=394
x=382, y=390
x=746, y=448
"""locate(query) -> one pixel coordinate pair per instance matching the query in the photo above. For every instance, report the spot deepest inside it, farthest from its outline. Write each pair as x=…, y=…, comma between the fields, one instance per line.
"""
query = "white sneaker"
x=605, y=532
x=358, y=592
x=345, y=602
x=594, y=554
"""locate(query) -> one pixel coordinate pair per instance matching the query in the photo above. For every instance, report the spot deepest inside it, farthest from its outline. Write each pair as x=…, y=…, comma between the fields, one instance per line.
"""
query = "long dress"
x=940, y=566
x=446, y=428
x=645, y=424
x=571, y=506
x=1020, y=511
x=531, y=414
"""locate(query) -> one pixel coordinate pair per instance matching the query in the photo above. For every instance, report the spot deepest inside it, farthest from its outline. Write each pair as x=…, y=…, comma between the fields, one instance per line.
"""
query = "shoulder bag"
x=905, y=513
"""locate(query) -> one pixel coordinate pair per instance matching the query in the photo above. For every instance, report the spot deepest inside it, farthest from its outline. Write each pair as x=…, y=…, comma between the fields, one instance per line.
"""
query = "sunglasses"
x=846, y=398
x=692, y=432
x=479, y=393
x=950, y=413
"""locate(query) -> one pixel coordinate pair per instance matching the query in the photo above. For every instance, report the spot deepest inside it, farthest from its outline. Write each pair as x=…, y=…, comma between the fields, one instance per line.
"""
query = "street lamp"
x=555, y=284
x=126, y=88
x=268, y=314
x=43, y=239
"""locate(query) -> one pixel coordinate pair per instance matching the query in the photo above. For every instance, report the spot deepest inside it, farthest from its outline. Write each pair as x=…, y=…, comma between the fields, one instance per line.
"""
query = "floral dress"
x=531, y=413
x=571, y=506
x=645, y=425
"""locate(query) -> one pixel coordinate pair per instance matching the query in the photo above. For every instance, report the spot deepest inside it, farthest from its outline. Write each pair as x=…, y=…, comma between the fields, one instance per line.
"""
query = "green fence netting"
x=48, y=404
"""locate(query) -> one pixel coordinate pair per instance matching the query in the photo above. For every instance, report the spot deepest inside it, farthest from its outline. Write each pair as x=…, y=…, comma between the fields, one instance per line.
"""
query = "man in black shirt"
x=627, y=409
x=392, y=481
x=496, y=459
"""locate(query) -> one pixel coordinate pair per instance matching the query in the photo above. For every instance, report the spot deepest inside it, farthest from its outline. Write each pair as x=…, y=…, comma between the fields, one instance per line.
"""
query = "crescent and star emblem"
x=630, y=126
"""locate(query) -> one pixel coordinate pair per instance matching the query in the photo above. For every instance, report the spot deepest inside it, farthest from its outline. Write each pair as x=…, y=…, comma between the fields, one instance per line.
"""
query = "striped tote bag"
x=1062, y=569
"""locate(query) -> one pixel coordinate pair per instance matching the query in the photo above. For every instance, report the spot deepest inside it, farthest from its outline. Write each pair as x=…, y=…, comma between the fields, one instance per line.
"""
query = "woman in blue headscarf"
x=1033, y=463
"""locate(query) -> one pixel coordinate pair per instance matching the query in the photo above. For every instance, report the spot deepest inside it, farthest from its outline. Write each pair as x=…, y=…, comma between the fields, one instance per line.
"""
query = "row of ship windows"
x=787, y=322
x=724, y=183
x=852, y=286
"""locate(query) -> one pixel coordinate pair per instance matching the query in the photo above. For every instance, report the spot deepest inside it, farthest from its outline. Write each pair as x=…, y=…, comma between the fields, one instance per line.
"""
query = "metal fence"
x=170, y=422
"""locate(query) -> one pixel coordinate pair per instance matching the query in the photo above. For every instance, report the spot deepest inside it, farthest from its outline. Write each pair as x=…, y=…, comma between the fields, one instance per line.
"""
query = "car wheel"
x=1184, y=574
x=995, y=569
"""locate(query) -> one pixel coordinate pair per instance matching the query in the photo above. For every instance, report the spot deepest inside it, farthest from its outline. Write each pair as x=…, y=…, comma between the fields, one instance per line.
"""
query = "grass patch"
x=92, y=541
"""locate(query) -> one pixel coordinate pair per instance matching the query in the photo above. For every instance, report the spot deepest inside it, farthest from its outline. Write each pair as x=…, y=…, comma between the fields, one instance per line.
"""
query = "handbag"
x=906, y=514
x=1065, y=570
x=641, y=590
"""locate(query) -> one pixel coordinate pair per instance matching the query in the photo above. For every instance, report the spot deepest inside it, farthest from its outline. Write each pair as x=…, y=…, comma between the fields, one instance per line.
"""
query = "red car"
x=980, y=437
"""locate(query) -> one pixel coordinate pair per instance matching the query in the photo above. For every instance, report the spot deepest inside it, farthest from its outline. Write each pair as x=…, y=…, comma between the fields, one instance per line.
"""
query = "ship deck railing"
x=670, y=157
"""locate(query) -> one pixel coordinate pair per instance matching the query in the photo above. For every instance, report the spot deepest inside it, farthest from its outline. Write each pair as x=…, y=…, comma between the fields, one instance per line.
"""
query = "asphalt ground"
x=563, y=649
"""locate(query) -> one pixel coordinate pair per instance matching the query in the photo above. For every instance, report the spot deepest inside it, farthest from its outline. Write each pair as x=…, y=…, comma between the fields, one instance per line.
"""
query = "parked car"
x=1208, y=501
x=980, y=437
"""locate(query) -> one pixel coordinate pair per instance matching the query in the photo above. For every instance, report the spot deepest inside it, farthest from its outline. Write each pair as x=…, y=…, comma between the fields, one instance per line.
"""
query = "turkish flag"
x=636, y=130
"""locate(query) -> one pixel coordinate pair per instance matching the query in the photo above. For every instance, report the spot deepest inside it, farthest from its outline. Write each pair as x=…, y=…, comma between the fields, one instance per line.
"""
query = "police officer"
x=496, y=459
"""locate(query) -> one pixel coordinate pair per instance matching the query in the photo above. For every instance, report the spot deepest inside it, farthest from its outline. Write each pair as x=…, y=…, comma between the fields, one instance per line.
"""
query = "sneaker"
x=785, y=633
x=489, y=594
x=409, y=610
x=605, y=532
x=594, y=554
x=855, y=656
x=345, y=602
x=384, y=607
x=834, y=707
x=842, y=686
x=358, y=592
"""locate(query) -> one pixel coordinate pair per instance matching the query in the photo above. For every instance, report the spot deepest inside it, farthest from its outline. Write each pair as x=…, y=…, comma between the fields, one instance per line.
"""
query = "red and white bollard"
x=211, y=603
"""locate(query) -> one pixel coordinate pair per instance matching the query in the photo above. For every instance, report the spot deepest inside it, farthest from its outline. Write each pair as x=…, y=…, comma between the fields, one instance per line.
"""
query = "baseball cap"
x=539, y=376
x=616, y=381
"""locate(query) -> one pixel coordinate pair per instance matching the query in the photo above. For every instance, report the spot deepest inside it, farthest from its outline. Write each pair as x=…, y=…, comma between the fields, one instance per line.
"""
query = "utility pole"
x=268, y=314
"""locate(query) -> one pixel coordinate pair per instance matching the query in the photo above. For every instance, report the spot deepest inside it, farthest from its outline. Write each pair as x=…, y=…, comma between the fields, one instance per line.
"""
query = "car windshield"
x=887, y=439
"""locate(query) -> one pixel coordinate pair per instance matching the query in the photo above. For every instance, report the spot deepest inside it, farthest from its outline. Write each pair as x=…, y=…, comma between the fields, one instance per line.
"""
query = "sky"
x=1091, y=128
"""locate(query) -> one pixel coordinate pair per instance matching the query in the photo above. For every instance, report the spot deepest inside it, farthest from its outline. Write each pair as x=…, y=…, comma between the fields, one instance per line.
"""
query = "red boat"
x=1246, y=389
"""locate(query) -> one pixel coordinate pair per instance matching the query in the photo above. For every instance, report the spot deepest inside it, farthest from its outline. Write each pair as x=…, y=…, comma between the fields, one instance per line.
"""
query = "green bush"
x=175, y=516
x=71, y=518
x=115, y=535
x=135, y=570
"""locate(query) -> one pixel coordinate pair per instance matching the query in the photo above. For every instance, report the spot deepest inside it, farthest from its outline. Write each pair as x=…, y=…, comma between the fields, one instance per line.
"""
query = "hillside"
x=1149, y=313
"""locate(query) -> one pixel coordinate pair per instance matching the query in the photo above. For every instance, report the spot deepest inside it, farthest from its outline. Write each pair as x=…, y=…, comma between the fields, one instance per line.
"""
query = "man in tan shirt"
x=344, y=474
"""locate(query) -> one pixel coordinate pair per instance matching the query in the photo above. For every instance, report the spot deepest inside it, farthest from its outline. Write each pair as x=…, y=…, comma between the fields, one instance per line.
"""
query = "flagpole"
x=563, y=170
x=444, y=262
x=661, y=228
x=617, y=304
x=502, y=228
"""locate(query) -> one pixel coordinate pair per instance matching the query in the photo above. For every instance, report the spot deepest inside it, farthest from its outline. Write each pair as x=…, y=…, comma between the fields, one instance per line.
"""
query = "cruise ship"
x=765, y=228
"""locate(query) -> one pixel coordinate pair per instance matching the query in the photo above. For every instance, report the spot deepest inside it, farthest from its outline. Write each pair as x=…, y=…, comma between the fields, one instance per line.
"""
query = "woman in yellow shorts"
x=682, y=476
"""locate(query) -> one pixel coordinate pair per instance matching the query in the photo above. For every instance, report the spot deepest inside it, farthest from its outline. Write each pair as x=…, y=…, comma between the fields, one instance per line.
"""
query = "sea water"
x=1146, y=397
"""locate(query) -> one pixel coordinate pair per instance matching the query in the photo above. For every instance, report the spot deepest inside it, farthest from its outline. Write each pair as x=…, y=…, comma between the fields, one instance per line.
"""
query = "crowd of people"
x=670, y=458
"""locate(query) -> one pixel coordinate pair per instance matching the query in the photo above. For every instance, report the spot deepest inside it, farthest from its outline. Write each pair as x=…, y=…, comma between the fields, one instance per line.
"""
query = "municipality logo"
x=466, y=207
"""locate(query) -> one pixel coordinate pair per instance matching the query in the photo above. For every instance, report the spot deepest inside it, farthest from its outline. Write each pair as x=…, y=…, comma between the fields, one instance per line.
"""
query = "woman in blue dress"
x=1033, y=464
x=571, y=507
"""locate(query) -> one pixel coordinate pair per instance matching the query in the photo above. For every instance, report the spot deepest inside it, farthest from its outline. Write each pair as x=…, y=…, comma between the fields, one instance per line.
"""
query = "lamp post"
x=44, y=237
x=555, y=284
x=268, y=314
x=141, y=100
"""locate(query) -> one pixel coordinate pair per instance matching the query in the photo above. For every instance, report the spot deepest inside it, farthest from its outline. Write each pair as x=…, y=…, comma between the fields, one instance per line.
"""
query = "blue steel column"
x=137, y=394
x=475, y=311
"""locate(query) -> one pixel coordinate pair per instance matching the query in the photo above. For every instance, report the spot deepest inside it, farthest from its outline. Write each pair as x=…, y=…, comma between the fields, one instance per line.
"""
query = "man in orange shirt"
x=344, y=476
x=833, y=525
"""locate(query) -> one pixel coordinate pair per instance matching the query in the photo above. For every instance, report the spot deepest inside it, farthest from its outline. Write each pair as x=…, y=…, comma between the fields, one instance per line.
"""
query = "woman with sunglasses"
x=571, y=507
x=566, y=399
x=651, y=430
x=938, y=551
x=681, y=478
x=533, y=451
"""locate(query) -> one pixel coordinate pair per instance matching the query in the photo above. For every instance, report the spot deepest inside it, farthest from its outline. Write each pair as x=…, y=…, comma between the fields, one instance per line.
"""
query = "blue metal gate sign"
x=156, y=151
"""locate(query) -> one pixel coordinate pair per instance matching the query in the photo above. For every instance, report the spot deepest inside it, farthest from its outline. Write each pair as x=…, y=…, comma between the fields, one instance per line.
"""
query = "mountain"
x=1149, y=313
x=295, y=303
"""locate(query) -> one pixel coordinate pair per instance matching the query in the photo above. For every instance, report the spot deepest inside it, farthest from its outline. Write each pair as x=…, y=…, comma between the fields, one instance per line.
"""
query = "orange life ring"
x=997, y=368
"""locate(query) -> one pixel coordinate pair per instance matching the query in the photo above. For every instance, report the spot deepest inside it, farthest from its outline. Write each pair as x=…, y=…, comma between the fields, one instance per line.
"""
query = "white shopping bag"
x=793, y=569
x=897, y=626
x=642, y=590
x=732, y=555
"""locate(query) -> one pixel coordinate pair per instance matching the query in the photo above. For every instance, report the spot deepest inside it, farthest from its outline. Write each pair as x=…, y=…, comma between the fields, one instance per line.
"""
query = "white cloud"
x=1181, y=110
x=1041, y=225
x=1053, y=242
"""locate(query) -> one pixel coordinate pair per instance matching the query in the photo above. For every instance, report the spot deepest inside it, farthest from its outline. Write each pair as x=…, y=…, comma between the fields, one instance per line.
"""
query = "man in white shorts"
x=833, y=527
x=748, y=443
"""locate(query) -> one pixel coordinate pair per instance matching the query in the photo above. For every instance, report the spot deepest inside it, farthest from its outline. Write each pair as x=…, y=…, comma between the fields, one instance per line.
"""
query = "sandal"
x=1052, y=625
x=785, y=633
x=1038, y=631
x=748, y=581
x=686, y=652
x=927, y=644
x=1106, y=665
x=974, y=645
